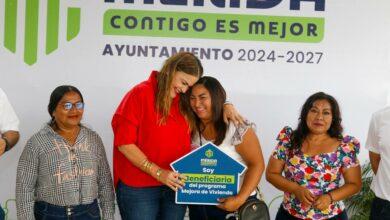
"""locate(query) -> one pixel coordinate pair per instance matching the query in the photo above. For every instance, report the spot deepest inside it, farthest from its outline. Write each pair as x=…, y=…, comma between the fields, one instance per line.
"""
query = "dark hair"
x=301, y=132
x=218, y=98
x=57, y=95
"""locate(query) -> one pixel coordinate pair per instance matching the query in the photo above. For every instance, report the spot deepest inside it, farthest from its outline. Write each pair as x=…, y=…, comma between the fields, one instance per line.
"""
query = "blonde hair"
x=185, y=62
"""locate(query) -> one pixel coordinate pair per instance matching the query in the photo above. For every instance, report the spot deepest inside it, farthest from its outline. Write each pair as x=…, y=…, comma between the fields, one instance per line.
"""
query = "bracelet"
x=331, y=197
x=149, y=167
x=158, y=173
x=144, y=163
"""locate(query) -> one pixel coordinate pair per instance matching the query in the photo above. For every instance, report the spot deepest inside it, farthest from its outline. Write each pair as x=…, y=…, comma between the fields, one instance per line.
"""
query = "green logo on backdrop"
x=31, y=27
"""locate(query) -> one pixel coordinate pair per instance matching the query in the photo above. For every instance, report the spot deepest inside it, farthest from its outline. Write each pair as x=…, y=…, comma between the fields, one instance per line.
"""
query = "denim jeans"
x=284, y=215
x=46, y=211
x=380, y=209
x=148, y=203
x=2, y=214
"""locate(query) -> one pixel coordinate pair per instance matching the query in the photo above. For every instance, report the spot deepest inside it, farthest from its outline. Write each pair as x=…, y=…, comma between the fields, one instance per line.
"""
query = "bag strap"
x=259, y=195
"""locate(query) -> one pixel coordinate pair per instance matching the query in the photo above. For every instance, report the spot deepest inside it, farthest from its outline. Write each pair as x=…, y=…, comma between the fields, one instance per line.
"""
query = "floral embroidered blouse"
x=319, y=173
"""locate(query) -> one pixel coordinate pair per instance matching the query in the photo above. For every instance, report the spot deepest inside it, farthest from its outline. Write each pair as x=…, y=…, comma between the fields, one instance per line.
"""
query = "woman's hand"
x=322, y=202
x=231, y=203
x=230, y=113
x=304, y=195
x=172, y=179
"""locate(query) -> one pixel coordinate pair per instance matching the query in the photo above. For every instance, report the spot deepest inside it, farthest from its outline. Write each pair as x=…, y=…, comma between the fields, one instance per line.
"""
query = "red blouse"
x=135, y=122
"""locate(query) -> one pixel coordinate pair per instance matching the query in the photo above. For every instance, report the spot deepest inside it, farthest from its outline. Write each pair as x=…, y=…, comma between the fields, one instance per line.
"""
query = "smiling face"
x=319, y=118
x=200, y=101
x=181, y=82
x=72, y=117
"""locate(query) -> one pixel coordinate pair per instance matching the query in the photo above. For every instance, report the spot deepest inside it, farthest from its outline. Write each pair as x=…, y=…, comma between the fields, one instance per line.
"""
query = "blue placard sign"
x=211, y=174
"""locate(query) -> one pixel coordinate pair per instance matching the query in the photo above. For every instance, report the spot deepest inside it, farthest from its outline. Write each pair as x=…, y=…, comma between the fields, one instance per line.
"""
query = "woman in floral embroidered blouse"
x=313, y=159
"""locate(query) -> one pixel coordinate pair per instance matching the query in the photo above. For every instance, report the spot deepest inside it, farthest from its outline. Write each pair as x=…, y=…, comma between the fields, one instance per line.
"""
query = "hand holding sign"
x=171, y=179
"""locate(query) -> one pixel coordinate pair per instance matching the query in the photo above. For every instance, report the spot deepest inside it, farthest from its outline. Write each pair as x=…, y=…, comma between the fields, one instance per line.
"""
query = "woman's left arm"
x=250, y=151
x=105, y=185
x=352, y=184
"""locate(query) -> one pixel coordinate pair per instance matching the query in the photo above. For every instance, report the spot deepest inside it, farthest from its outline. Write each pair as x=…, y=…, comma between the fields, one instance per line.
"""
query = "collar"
x=47, y=129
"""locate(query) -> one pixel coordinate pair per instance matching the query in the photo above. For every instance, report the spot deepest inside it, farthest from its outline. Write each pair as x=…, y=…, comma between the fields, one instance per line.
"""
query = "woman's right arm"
x=250, y=151
x=172, y=179
x=26, y=178
x=274, y=176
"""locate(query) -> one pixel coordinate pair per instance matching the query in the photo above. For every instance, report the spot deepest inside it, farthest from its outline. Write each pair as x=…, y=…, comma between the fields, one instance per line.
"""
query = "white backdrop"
x=354, y=68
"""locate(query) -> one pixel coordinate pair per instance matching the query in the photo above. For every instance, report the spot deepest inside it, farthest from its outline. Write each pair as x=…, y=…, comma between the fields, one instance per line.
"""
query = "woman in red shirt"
x=152, y=128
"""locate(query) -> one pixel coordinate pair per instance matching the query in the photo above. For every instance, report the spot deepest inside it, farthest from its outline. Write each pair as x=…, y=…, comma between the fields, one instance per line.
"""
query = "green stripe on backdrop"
x=52, y=25
x=73, y=23
x=31, y=32
x=10, y=20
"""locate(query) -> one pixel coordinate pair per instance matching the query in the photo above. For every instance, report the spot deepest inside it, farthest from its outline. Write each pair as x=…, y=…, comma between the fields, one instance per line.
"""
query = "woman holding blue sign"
x=239, y=142
x=152, y=128
x=314, y=157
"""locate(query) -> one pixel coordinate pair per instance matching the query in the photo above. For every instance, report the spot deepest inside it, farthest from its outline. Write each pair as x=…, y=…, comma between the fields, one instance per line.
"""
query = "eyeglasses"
x=78, y=105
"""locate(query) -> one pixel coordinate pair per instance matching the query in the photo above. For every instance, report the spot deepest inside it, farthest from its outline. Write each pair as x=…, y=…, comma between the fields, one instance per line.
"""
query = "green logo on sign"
x=31, y=27
x=209, y=153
